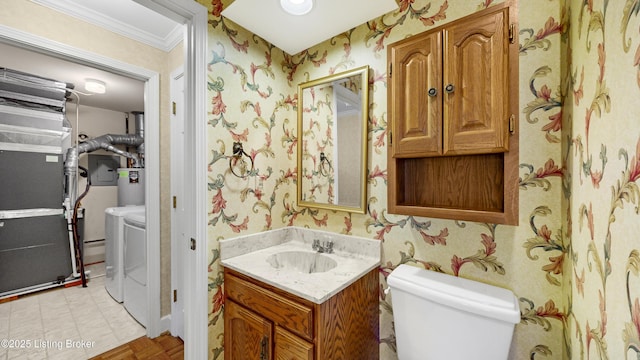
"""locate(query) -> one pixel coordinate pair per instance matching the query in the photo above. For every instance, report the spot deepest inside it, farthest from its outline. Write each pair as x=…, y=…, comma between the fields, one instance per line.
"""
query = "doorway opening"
x=194, y=16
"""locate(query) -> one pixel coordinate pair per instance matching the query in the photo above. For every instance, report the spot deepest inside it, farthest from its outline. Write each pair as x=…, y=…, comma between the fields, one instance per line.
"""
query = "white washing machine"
x=114, y=249
x=135, y=265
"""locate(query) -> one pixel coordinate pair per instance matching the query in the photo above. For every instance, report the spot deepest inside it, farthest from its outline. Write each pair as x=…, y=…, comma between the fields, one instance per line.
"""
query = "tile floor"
x=65, y=323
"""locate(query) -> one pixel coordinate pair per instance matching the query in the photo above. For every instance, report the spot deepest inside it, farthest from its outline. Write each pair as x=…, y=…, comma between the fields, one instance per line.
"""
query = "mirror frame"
x=363, y=73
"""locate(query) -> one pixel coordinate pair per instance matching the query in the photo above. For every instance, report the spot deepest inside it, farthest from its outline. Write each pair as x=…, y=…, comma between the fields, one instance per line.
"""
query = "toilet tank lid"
x=463, y=294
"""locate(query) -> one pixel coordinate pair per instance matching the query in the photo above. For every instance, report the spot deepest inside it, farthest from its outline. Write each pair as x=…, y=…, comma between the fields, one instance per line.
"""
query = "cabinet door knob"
x=432, y=92
x=449, y=88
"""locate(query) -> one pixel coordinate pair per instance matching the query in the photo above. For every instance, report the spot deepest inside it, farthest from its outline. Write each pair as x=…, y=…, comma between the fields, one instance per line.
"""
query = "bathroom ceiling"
x=293, y=34
x=120, y=16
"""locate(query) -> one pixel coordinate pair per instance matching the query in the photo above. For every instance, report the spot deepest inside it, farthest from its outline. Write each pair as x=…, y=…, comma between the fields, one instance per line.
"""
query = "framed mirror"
x=332, y=141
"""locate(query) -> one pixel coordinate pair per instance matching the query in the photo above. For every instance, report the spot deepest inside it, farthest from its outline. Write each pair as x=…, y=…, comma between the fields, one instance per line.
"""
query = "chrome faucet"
x=326, y=247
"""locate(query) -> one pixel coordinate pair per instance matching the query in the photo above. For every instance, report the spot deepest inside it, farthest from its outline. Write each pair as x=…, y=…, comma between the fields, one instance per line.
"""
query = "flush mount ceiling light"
x=95, y=86
x=294, y=34
x=297, y=7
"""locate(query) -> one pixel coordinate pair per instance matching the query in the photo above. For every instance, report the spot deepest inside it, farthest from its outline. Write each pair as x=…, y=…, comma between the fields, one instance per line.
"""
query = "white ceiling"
x=121, y=16
x=294, y=34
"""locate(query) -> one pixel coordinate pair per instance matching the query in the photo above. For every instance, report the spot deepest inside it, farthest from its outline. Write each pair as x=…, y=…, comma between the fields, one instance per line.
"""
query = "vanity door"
x=288, y=346
x=247, y=336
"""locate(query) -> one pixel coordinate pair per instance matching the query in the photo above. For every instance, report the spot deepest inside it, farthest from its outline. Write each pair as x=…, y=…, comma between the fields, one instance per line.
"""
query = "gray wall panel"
x=30, y=180
x=33, y=251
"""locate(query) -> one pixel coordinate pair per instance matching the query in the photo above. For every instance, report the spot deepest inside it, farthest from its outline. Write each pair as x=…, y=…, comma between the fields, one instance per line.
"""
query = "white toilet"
x=443, y=317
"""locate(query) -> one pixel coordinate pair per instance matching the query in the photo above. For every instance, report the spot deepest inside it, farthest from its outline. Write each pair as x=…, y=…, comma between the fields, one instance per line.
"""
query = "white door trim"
x=194, y=16
x=178, y=241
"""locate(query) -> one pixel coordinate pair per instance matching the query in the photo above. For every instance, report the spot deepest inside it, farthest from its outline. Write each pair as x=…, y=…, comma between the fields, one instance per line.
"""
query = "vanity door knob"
x=449, y=88
x=432, y=92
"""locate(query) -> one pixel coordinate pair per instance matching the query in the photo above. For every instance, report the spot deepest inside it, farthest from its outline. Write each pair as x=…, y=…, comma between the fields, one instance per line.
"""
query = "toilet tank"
x=439, y=316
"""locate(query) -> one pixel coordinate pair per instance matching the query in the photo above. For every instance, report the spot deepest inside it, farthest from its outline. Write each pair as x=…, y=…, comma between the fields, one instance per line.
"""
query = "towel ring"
x=322, y=167
x=238, y=151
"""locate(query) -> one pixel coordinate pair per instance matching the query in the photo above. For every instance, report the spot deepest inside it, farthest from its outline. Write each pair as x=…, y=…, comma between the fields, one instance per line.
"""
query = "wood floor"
x=164, y=346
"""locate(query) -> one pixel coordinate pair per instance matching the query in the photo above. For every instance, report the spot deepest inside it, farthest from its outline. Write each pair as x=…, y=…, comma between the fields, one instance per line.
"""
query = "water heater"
x=130, y=186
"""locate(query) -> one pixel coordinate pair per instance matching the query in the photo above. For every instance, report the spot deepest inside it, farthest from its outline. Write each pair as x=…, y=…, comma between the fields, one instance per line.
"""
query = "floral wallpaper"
x=318, y=106
x=573, y=261
x=601, y=147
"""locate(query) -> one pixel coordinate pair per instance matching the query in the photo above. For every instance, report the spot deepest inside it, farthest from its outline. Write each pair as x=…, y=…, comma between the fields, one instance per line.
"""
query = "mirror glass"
x=332, y=141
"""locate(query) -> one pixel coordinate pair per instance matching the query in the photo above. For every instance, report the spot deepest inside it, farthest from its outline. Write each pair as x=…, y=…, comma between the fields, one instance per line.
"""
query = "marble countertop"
x=354, y=256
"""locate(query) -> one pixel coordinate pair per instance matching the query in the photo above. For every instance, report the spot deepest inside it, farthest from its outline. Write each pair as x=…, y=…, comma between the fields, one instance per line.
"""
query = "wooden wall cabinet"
x=263, y=322
x=453, y=100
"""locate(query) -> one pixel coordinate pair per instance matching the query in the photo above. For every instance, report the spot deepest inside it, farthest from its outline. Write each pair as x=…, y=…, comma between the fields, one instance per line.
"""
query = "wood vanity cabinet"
x=453, y=100
x=263, y=322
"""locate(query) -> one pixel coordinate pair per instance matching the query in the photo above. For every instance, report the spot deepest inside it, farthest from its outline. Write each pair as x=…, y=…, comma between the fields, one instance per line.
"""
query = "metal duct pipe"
x=105, y=142
x=108, y=141
x=139, y=122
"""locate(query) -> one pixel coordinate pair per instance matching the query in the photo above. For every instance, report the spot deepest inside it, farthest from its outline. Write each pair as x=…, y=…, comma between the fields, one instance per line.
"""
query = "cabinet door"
x=415, y=96
x=290, y=347
x=476, y=70
x=247, y=336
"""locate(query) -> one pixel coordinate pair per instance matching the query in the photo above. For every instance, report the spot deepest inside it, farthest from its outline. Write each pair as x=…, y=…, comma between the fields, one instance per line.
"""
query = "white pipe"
x=71, y=183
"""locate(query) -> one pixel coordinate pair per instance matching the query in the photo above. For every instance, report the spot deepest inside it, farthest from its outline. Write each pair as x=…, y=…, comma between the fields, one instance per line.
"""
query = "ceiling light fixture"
x=95, y=86
x=297, y=7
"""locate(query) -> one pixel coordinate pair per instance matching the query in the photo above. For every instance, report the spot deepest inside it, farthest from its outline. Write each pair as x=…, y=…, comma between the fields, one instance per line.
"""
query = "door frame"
x=195, y=17
x=178, y=241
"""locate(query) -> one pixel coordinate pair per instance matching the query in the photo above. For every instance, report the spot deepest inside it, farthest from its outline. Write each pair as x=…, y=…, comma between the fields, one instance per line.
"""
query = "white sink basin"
x=302, y=261
x=283, y=258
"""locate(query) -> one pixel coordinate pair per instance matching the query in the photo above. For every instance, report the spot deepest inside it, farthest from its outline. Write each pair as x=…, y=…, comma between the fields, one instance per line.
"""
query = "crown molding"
x=71, y=8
